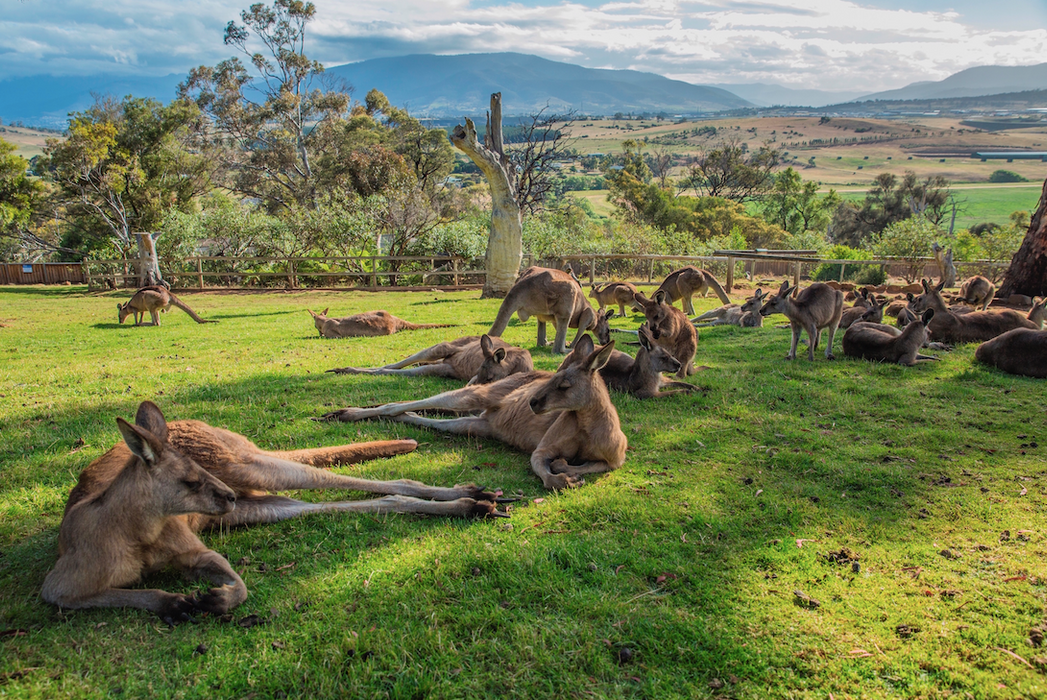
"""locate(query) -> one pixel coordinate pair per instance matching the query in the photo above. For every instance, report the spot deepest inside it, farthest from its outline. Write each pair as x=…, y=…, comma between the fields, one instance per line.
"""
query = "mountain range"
x=972, y=82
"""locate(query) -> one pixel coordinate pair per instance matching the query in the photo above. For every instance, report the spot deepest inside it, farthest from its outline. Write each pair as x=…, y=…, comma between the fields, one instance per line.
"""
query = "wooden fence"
x=41, y=273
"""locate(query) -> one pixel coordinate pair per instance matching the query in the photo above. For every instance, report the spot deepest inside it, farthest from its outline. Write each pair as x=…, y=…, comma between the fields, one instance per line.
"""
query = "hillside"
x=973, y=82
x=770, y=94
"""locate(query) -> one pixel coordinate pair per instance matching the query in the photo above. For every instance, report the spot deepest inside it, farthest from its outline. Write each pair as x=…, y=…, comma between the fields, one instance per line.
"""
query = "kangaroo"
x=868, y=341
x=872, y=312
x=566, y=420
x=688, y=281
x=473, y=359
x=976, y=326
x=817, y=307
x=549, y=295
x=746, y=315
x=137, y=509
x=154, y=300
x=978, y=290
x=367, y=324
x=1019, y=351
x=641, y=377
x=620, y=293
x=671, y=329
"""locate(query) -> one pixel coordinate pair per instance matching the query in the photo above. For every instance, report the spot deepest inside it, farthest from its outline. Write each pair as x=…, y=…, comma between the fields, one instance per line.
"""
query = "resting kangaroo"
x=549, y=295
x=137, y=509
x=566, y=420
x=874, y=341
x=976, y=326
x=688, y=281
x=475, y=359
x=154, y=300
x=641, y=377
x=620, y=293
x=747, y=315
x=671, y=329
x=817, y=307
x=978, y=290
x=367, y=324
x=871, y=313
x=1019, y=351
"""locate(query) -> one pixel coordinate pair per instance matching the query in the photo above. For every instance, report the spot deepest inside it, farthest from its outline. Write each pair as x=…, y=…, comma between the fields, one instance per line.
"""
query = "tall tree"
x=795, y=206
x=20, y=199
x=731, y=171
x=891, y=199
x=1027, y=273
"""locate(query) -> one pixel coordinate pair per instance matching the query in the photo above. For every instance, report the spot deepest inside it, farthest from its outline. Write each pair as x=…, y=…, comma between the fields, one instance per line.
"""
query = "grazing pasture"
x=792, y=530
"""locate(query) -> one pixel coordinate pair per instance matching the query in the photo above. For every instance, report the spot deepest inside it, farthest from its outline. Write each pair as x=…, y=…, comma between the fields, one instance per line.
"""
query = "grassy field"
x=688, y=556
x=981, y=203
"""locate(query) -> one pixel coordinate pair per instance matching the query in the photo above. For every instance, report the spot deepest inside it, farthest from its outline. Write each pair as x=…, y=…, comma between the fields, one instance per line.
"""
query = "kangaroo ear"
x=639, y=298
x=927, y=316
x=941, y=286
x=909, y=296
x=499, y=355
x=598, y=359
x=486, y=345
x=660, y=297
x=142, y=443
x=645, y=338
x=324, y=312
x=152, y=419
x=584, y=346
x=759, y=293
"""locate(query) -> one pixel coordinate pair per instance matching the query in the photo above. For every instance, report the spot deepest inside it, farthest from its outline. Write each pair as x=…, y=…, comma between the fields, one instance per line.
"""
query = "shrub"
x=830, y=271
x=872, y=275
x=1006, y=176
x=910, y=240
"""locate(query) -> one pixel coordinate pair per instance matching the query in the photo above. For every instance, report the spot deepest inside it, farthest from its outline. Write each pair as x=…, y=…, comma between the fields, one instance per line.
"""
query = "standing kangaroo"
x=688, y=281
x=875, y=341
x=641, y=377
x=620, y=293
x=153, y=300
x=817, y=307
x=1019, y=351
x=973, y=327
x=137, y=509
x=367, y=324
x=746, y=316
x=475, y=359
x=978, y=290
x=566, y=420
x=671, y=329
x=551, y=296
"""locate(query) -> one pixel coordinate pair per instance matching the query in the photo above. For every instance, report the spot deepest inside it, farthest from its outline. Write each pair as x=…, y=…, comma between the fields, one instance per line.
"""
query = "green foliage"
x=908, y=240
x=831, y=271
x=794, y=205
x=888, y=201
x=466, y=238
x=730, y=171
x=20, y=194
x=1006, y=176
x=873, y=275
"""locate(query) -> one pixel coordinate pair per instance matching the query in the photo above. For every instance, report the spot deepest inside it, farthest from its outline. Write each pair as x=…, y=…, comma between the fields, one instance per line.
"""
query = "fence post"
x=842, y=268
x=374, y=271
x=592, y=270
x=86, y=271
x=730, y=274
x=796, y=274
x=199, y=272
x=650, y=270
x=454, y=268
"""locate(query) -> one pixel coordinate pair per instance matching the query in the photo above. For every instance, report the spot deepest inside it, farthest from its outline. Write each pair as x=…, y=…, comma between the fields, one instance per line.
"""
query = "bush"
x=871, y=275
x=830, y=271
x=1006, y=176
x=910, y=240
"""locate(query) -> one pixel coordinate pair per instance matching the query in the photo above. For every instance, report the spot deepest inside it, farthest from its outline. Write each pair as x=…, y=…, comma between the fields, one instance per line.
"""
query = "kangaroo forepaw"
x=177, y=609
x=558, y=482
x=479, y=493
x=218, y=601
x=486, y=509
x=345, y=415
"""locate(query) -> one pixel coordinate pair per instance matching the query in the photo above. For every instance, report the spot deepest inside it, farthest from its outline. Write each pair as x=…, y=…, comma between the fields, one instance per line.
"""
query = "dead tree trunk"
x=1028, y=271
x=148, y=261
x=505, y=244
x=946, y=268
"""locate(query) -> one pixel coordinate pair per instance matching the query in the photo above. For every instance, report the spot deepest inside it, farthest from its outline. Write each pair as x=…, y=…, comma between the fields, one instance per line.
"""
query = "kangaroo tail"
x=348, y=454
x=184, y=307
x=711, y=281
x=408, y=326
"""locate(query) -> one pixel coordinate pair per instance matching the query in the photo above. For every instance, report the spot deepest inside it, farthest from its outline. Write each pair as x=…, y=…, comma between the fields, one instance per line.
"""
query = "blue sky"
x=856, y=45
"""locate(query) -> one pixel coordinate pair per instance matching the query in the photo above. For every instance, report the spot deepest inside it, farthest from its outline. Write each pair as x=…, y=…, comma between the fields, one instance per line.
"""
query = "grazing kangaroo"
x=551, y=296
x=817, y=307
x=978, y=290
x=688, y=281
x=870, y=341
x=137, y=509
x=973, y=327
x=566, y=420
x=746, y=315
x=671, y=329
x=872, y=312
x=620, y=293
x=153, y=300
x=1019, y=351
x=473, y=359
x=641, y=377
x=367, y=324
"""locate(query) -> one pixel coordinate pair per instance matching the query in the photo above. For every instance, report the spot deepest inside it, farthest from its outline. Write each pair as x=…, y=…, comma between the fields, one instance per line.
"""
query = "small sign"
x=28, y=269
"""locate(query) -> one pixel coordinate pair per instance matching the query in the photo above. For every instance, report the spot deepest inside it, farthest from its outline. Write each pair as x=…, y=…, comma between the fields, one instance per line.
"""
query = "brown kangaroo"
x=620, y=293
x=473, y=359
x=875, y=341
x=1019, y=351
x=566, y=420
x=688, y=281
x=973, y=327
x=978, y=290
x=872, y=312
x=549, y=295
x=817, y=307
x=137, y=509
x=671, y=329
x=746, y=315
x=367, y=324
x=153, y=300
x=641, y=377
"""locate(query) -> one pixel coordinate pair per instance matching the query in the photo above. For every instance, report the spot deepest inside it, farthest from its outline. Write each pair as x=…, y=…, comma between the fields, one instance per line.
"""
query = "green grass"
x=981, y=203
x=734, y=495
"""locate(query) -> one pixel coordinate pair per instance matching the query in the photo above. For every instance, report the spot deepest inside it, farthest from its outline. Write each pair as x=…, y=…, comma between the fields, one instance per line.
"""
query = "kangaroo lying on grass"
x=976, y=326
x=367, y=324
x=671, y=329
x=153, y=300
x=137, y=509
x=688, y=281
x=876, y=341
x=978, y=290
x=475, y=359
x=620, y=293
x=566, y=420
x=746, y=316
x=641, y=377
x=551, y=296
x=872, y=312
x=817, y=307
x=1019, y=351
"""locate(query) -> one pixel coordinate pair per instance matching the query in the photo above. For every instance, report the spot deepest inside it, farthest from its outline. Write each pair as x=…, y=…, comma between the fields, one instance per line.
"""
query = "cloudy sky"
x=859, y=45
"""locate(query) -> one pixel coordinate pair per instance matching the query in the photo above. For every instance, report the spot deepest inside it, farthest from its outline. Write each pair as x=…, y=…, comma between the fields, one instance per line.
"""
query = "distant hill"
x=770, y=94
x=973, y=82
x=1011, y=101
x=451, y=86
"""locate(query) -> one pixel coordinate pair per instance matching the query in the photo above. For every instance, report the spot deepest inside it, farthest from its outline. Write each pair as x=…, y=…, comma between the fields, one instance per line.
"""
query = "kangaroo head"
x=778, y=303
x=658, y=311
x=603, y=328
x=593, y=291
x=1038, y=312
x=575, y=386
x=659, y=357
x=874, y=314
x=319, y=319
x=175, y=483
x=931, y=298
x=493, y=366
x=123, y=310
x=754, y=302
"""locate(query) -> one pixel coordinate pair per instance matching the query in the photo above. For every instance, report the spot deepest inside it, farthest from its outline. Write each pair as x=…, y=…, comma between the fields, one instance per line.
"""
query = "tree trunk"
x=1028, y=271
x=946, y=268
x=148, y=262
x=505, y=243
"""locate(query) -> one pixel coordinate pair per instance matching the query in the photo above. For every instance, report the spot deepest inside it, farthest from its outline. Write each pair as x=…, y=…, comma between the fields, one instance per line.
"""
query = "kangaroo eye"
x=565, y=385
x=193, y=485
